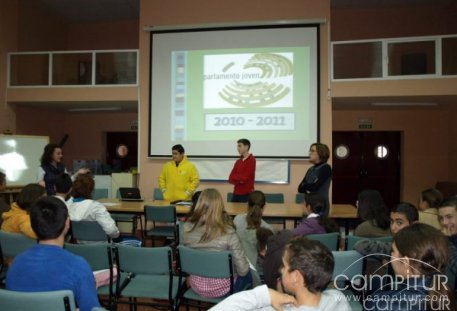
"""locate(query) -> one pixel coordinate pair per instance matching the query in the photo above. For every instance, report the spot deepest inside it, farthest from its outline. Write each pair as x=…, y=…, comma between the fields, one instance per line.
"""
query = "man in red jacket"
x=243, y=172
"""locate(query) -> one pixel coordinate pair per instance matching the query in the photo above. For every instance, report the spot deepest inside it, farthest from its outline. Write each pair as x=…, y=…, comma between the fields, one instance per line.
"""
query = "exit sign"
x=365, y=124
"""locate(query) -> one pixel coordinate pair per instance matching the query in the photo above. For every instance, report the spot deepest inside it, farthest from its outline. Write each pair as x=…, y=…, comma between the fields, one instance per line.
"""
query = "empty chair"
x=12, y=244
x=148, y=274
x=205, y=264
x=160, y=214
x=128, y=218
x=348, y=266
x=274, y=197
x=158, y=194
x=100, y=193
x=37, y=301
x=299, y=198
x=330, y=240
x=99, y=257
x=88, y=231
x=352, y=239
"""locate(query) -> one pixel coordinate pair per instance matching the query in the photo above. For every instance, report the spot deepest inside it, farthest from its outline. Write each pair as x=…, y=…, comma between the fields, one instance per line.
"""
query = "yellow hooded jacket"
x=17, y=220
x=178, y=182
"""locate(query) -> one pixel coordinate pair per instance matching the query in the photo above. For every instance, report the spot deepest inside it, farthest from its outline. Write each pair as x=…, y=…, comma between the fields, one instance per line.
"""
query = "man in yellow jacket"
x=179, y=177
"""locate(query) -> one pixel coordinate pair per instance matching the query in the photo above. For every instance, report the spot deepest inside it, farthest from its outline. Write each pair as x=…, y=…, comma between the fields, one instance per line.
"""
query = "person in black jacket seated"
x=419, y=259
x=319, y=176
x=52, y=168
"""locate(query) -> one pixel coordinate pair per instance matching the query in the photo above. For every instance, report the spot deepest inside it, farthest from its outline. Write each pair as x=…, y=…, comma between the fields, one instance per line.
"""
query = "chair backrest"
x=99, y=256
x=165, y=213
x=229, y=196
x=274, y=197
x=38, y=301
x=144, y=260
x=88, y=231
x=205, y=263
x=100, y=193
x=299, y=198
x=330, y=240
x=157, y=195
x=14, y=243
x=352, y=239
x=347, y=263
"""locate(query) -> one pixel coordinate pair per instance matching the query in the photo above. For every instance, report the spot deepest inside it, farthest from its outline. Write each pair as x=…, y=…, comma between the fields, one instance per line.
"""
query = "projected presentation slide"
x=210, y=88
x=218, y=93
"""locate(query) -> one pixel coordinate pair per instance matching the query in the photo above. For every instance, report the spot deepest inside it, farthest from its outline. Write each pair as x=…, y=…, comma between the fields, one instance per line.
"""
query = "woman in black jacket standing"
x=319, y=176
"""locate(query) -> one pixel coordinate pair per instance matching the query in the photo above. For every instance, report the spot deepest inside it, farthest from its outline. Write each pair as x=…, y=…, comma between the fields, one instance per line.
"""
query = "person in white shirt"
x=82, y=207
x=307, y=269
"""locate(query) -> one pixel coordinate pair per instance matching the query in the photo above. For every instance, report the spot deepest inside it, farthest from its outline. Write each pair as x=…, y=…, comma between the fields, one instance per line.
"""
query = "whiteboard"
x=20, y=158
x=267, y=171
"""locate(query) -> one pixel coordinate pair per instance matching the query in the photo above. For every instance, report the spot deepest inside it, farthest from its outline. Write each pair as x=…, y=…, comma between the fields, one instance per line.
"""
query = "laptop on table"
x=130, y=194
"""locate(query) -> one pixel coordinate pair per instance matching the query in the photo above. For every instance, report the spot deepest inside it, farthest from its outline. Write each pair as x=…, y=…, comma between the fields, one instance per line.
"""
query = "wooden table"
x=345, y=215
x=290, y=212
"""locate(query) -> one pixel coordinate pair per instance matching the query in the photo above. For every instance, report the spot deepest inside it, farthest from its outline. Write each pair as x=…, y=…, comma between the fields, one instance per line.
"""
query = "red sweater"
x=243, y=175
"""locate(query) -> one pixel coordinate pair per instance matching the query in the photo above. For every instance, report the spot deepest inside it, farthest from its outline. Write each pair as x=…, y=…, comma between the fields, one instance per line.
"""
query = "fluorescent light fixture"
x=404, y=104
x=94, y=109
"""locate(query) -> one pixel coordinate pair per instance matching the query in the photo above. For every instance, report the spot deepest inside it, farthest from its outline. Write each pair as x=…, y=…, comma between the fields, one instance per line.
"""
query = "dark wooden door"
x=366, y=160
x=124, y=162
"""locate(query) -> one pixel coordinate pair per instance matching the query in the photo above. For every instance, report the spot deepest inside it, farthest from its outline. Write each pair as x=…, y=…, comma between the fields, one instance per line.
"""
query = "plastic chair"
x=12, y=244
x=38, y=301
x=88, y=231
x=158, y=195
x=164, y=214
x=330, y=240
x=352, y=239
x=100, y=193
x=99, y=257
x=275, y=198
x=205, y=264
x=299, y=198
x=348, y=265
x=148, y=274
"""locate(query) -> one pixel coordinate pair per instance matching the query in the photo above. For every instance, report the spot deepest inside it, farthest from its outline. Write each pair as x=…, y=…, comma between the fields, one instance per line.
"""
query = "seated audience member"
x=247, y=225
x=195, y=197
x=372, y=211
x=82, y=207
x=401, y=216
x=429, y=201
x=315, y=221
x=63, y=184
x=253, y=218
x=211, y=228
x=17, y=219
x=273, y=257
x=307, y=268
x=262, y=236
x=47, y=266
x=419, y=259
x=447, y=213
x=4, y=207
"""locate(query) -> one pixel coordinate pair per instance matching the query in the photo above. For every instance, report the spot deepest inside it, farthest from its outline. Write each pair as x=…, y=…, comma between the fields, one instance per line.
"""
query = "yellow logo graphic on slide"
x=260, y=93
